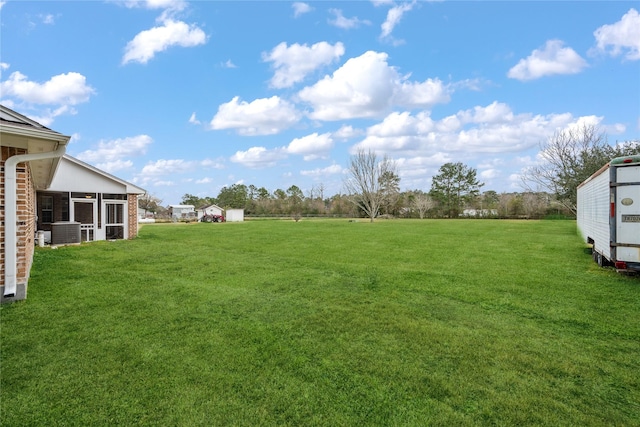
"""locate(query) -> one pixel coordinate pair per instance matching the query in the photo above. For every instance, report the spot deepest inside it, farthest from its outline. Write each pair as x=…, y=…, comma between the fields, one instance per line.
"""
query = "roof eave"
x=28, y=132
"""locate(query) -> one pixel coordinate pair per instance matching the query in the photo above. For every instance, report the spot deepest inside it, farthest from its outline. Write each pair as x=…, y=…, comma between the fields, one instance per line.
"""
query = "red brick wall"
x=25, y=198
x=132, y=211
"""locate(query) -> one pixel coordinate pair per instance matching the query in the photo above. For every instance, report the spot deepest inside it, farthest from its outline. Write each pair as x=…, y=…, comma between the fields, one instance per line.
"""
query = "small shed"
x=208, y=210
x=235, y=215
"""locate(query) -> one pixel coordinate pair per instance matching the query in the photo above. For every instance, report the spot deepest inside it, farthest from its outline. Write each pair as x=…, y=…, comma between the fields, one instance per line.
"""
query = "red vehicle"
x=212, y=218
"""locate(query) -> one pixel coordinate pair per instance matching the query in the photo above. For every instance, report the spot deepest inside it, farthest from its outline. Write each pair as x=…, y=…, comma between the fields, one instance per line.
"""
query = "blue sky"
x=187, y=97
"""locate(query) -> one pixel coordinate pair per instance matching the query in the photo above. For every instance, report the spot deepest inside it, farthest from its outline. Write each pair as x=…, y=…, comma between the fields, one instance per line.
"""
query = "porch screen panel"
x=115, y=220
x=83, y=213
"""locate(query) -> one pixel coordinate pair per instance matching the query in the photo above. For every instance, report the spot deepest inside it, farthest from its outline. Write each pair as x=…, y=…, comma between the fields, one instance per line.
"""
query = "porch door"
x=85, y=211
x=115, y=219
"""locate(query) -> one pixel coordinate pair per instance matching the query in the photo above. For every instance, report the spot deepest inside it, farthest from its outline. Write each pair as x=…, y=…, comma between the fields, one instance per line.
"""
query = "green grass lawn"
x=325, y=323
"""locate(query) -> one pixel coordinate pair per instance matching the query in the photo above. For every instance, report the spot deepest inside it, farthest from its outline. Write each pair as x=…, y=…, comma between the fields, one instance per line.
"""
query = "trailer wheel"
x=600, y=260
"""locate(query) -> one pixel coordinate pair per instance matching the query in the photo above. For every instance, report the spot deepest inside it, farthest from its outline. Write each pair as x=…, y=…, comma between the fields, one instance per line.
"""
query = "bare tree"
x=507, y=204
x=364, y=183
x=422, y=202
x=569, y=157
x=149, y=203
x=535, y=204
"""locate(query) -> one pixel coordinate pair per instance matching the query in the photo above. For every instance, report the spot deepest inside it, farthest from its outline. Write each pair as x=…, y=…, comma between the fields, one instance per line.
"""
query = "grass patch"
x=325, y=323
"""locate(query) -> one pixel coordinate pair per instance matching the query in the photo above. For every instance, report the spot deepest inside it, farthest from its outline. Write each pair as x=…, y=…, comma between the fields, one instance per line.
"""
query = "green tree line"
x=373, y=187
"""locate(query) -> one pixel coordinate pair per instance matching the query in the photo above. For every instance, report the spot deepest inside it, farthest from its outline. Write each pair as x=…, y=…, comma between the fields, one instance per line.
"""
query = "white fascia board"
x=35, y=133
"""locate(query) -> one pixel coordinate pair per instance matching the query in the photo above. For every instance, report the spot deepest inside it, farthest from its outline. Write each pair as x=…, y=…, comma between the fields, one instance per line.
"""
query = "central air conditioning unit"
x=64, y=233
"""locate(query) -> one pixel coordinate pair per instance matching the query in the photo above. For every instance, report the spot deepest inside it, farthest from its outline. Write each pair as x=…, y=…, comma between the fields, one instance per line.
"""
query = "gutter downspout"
x=11, y=215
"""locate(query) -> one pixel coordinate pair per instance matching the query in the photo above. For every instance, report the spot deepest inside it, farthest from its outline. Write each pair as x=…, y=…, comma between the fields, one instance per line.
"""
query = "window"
x=46, y=209
x=112, y=196
x=83, y=195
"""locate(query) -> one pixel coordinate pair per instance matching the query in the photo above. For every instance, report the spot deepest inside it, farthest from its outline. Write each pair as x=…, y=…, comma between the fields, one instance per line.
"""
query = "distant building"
x=235, y=215
x=480, y=213
x=208, y=210
x=182, y=211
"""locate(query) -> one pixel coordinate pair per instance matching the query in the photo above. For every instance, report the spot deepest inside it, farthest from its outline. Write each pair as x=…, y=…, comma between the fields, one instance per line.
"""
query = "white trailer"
x=609, y=213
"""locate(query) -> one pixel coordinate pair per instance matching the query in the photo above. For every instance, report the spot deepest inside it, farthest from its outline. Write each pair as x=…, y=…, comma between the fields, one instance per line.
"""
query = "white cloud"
x=492, y=163
x=496, y=112
x=170, y=8
x=229, y=64
x=362, y=87
x=475, y=85
x=401, y=124
x=300, y=8
x=114, y=151
x=311, y=146
x=515, y=182
x=366, y=86
x=416, y=94
x=63, y=89
x=115, y=165
x=44, y=102
x=394, y=15
x=622, y=36
x=156, y=4
x=165, y=4
x=321, y=172
x=48, y=19
x=265, y=116
x=212, y=164
x=258, y=157
x=416, y=171
x=75, y=137
x=489, y=174
x=293, y=63
x=193, y=119
x=147, y=43
x=490, y=129
x=584, y=121
x=552, y=59
x=4, y=66
x=166, y=167
x=345, y=23
x=204, y=181
x=46, y=116
x=161, y=183
x=347, y=132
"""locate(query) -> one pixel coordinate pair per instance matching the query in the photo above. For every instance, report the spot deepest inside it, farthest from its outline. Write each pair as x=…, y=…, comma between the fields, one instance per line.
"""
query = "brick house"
x=35, y=180
x=30, y=156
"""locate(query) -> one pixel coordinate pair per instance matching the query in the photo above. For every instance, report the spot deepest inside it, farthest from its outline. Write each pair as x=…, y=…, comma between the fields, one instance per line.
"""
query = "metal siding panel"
x=593, y=212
